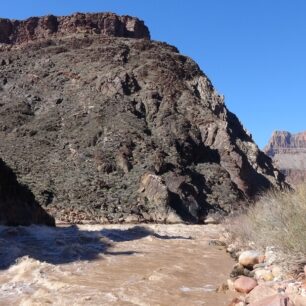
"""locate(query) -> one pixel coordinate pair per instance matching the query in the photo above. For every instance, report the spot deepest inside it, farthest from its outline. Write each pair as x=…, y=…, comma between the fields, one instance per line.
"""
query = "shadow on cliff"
x=64, y=245
x=17, y=202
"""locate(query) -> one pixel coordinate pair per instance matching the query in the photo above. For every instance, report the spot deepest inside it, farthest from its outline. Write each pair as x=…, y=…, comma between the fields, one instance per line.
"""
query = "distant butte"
x=289, y=154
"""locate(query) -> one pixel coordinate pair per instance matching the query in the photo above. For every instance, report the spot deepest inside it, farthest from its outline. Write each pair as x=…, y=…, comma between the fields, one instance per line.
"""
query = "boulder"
x=275, y=300
x=239, y=269
x=260, y=292
x=245, y=284
x=249, y=258
x=155, y=197
x=263, y=274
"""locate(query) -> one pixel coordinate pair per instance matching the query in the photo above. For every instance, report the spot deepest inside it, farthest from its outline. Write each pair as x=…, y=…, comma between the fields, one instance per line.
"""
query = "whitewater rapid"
x=112, y=265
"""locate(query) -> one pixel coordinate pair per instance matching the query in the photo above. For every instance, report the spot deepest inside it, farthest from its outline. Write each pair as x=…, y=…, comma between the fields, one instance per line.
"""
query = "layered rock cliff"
x=113, y=129
x=288, y=152
x=17, y=203
x=107, y=24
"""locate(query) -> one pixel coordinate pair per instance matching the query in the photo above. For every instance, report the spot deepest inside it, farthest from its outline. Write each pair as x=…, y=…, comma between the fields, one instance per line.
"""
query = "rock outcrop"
x=34, y=28
x=288, y=152
x=110, y=129
x=17, y=202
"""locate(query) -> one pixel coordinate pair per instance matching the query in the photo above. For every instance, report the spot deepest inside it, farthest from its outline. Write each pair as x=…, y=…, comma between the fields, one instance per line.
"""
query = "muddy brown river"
x=112, y=265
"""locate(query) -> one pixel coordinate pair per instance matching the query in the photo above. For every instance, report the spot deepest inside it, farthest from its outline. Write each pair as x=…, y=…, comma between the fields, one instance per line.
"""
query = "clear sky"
x=254, y=51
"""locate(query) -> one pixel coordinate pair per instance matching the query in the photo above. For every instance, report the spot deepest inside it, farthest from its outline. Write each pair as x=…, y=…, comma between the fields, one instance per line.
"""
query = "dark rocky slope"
x=17, y=202
x=288, y=152
x=118, y=129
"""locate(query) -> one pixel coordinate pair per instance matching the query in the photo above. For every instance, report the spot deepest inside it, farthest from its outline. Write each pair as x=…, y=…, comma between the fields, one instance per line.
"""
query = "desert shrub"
x=278, y=219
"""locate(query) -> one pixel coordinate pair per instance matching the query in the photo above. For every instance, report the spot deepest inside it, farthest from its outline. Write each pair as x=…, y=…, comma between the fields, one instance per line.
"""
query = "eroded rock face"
x=105, y=128
x=17, y=202
x=288, y=152
x=107, y=24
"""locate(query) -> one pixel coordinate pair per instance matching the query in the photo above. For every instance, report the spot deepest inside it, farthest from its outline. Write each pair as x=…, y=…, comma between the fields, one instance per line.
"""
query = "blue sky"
x=253, y=51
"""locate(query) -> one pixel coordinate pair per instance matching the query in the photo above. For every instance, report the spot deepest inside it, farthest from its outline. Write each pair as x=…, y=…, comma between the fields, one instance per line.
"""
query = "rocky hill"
x=107, y=125
x=288, y=152
x=17, y=203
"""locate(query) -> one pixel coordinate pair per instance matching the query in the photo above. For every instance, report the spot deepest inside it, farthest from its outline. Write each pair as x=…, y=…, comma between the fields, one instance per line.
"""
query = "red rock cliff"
x=288, y=152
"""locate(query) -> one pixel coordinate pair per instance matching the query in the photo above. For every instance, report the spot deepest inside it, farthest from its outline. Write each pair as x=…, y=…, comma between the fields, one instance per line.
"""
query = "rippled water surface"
x=112, y=265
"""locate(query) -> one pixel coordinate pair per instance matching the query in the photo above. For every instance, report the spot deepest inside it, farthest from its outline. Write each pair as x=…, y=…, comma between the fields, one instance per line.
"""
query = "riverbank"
x=268, y=243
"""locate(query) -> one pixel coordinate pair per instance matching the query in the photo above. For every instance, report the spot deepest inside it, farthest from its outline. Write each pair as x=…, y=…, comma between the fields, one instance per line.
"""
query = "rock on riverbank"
x=263, y=281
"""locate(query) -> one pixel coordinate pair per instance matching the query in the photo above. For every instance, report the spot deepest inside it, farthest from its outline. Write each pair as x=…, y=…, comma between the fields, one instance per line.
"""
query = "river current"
x=112, y=265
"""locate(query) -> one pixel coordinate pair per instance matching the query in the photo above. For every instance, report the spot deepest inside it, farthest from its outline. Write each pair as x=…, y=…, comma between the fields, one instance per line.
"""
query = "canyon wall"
x=106, y=125
x=288, y=152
